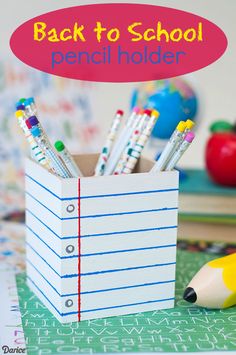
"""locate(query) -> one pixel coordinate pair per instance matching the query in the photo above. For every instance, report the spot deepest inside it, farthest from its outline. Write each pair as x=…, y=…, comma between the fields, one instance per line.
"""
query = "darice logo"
x=7, y=350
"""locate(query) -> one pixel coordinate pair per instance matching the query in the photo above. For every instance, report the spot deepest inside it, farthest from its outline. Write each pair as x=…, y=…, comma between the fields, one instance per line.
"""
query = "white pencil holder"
x=101, y=246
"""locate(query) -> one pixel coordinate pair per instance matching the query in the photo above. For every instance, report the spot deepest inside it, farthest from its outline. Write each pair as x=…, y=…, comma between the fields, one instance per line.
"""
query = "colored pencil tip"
x=120, y=112
x=22, y=100
x=190, y=295
x=189, y=137
x=190, y=124
x=148, y=112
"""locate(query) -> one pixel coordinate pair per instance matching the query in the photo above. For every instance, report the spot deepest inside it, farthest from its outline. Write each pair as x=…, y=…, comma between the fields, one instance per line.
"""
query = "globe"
x=173, y=98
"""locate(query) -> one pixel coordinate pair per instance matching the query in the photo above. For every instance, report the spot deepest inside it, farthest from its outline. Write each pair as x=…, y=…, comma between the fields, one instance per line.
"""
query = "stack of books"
x=207, y=210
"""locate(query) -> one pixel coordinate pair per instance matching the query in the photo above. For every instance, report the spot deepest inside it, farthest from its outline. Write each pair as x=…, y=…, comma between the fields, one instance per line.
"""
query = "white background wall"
x=215, y=83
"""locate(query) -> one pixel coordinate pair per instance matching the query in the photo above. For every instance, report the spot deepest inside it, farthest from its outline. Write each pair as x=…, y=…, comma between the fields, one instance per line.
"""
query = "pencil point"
x=190, y=295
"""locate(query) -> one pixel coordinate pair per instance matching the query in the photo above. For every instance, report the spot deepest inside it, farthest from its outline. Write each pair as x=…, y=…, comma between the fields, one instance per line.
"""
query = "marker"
x=54, y=162
x=180, y=151
x=134, y=153
x=106, y=151
x=170, y=147
x=22, y=100
x=214, y=285
x=67, y=159
x=143, y=119
x=122, y=141
x=37, y=153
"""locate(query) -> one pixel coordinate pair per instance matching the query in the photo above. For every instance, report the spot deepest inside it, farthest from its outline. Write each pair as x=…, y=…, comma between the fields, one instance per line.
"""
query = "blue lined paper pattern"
x=129, y=263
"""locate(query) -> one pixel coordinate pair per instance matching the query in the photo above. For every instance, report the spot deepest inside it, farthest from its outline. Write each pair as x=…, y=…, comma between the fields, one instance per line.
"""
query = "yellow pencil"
x=214, y=285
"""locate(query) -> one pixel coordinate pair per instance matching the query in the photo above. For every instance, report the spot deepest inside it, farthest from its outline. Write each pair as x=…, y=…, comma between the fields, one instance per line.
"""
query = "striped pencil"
x=122, y=141
x=134, y=154
x=133, y=140
x=102, y=160
x=37, y=153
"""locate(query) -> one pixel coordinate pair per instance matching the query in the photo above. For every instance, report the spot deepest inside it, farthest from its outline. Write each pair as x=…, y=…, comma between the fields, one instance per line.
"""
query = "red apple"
x=221, y=158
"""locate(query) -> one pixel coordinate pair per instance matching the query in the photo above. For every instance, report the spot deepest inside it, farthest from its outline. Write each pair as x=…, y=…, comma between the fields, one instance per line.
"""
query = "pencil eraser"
x=19, y=114
x=120, y=112
x=28, y=101
x=181, y=126
x=136, y=109
x=155, y=113
x=31, y=100
x=27, y=122
x=148, y=112
x=19, y=106
x=189, y=137
x=59, y=145
x=33, y=121
x=190, y=124
x=35, y=131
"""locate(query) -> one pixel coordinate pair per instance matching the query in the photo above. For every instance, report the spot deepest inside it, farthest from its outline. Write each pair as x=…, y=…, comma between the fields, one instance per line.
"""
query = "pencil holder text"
x=118, y=42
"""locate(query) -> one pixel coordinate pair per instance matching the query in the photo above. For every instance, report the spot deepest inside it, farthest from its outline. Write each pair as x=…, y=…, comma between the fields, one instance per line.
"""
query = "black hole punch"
x=69, y=303
x=70, y=249
x=70, y=208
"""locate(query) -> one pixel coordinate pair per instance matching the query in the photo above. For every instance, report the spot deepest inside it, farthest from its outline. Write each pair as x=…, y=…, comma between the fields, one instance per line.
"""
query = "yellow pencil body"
x=214, y=285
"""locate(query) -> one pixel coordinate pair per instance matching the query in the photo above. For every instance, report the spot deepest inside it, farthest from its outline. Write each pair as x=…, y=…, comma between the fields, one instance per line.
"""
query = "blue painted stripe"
x=50, y=229
x=102, y=290
x=102, y=271
x=164, y=209
x=101, y=252
x=101, y=196
x=109, y=233
x=48, y=209
x=128, y=231
x=99, y=309
x=131, y=212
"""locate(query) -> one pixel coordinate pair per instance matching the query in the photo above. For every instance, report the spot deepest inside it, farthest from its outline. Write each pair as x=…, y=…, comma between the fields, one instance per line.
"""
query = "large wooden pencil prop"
x=214, y=286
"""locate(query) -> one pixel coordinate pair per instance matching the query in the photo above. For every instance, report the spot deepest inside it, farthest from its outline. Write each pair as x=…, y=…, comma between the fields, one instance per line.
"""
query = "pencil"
x=214, y=285
x=102, y=160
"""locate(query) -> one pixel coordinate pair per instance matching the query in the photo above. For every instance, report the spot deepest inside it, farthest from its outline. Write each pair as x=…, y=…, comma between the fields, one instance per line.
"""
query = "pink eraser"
x=120, y=112
x=189, y=137
x=136, y=109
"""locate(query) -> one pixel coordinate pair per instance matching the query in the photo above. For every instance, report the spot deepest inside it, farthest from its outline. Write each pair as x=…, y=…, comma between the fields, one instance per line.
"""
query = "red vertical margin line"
x=79, y=252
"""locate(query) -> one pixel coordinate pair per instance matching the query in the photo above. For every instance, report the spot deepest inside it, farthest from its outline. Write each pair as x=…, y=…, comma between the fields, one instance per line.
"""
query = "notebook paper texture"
x=101, y=249
x=182, y=329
